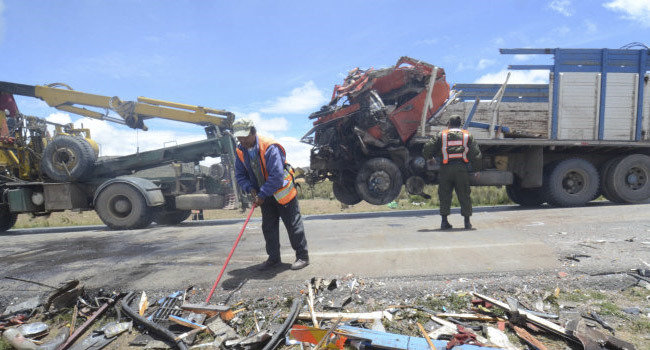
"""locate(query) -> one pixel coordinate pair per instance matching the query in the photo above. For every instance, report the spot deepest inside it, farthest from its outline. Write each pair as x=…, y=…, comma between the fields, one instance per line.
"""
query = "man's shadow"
x=459, y=229
x=239, y=276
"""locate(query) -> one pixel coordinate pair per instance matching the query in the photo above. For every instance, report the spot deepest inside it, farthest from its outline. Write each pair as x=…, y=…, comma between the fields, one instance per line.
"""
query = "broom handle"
x=250, y=213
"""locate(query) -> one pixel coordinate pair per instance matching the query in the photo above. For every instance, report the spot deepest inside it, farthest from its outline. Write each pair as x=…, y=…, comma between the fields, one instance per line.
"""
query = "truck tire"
x=7, y=218
x=607, y=180
x=346, y=192
x=120, y=206
x=67, y=158
x=171, y=217
x=526, y=197
x=379, y=181
x=570, y=182
x=630, y=179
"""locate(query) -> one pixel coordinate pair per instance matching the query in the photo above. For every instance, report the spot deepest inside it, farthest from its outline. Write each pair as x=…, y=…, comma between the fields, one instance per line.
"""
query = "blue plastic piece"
x=383, y=340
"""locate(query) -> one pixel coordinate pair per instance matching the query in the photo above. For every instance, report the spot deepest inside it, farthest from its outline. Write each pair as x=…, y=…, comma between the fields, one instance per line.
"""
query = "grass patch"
x=576, y=296
x=313, y=201
x=4, y=345
x=609, y=308
x=638, y=326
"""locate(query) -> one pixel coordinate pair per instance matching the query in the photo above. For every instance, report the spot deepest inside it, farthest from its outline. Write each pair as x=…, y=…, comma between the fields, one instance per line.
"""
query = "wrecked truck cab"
x=360, y=139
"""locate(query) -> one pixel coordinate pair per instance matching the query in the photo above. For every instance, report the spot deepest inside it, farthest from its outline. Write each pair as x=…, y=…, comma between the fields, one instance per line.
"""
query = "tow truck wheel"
x=7, y=218
x=346, y=192
x=171, y=217
x=570, y=182
x=629, y=179
x=67, y=158
x=379, y=181
x=121, y=206
x=526, y=197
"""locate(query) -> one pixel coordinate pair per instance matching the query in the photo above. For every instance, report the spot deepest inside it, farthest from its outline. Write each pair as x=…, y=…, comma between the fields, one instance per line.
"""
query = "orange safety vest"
x=446, y=144
x=288, y=191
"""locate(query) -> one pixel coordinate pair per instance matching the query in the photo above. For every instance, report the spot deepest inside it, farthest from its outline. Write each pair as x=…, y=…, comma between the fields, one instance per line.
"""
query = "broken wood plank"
x=528, y=338
x=549, y=326
x=363, y=317
x=209, y=310
x=426, y=336
x=310, y=303
x=474, y=317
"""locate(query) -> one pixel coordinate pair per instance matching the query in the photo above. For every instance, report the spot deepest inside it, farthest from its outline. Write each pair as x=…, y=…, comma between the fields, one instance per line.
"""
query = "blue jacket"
x=274, y=166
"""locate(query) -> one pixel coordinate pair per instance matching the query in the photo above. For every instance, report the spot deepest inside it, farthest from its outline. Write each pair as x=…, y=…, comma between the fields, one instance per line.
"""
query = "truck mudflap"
x=150, y=191
x=491, y=178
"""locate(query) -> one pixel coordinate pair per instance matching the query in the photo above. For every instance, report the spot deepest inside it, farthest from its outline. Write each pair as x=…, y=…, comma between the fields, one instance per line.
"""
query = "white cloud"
x=635, y=10
x=521, y=58
x=267, y=125
x=59, y=117
x=562, y=7
x=590, y=26
x=301, y=100
x=484, y=63
x=297, y=152
x=516, y=77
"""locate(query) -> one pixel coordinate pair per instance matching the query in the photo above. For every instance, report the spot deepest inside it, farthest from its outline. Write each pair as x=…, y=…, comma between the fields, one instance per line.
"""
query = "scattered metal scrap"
x=469, y=321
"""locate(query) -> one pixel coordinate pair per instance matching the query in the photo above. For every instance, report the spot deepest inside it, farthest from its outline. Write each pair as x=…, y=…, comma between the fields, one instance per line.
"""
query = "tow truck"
x=40, y=174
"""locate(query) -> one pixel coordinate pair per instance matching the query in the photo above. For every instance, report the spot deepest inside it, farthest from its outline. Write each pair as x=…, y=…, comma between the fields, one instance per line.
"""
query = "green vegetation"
x=483, y=195
x=4, y=345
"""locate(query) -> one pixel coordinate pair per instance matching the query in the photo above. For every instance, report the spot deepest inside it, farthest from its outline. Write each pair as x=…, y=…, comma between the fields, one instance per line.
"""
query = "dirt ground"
x=590, y=252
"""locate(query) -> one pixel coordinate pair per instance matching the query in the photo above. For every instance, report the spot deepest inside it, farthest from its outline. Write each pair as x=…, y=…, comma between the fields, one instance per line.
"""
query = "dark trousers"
x=454, y=176
x=272, y=212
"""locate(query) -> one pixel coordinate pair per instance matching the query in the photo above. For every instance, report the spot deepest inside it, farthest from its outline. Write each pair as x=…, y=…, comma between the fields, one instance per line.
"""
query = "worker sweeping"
x=458, y=151
x=261, y=169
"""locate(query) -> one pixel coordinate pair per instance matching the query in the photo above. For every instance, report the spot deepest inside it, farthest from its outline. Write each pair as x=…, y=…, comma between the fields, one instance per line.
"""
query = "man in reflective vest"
x=456, y=148
x=261, y=170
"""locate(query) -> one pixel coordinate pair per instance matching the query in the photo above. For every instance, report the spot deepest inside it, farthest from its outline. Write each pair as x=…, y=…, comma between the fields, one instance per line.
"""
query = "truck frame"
x=585, y=133
x=42, y=174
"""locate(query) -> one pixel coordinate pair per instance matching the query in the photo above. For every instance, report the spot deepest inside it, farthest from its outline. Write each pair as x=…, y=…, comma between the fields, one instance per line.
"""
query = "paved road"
x=508, y=240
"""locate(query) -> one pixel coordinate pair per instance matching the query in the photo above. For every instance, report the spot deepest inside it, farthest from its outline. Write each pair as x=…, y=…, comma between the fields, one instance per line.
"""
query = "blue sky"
x=277, y=61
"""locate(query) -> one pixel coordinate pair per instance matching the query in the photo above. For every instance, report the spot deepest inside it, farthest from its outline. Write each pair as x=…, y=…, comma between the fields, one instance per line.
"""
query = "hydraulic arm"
x=132, y=113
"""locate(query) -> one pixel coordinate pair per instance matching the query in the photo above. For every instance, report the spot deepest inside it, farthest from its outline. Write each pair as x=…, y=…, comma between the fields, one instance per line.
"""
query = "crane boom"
x=132, y=113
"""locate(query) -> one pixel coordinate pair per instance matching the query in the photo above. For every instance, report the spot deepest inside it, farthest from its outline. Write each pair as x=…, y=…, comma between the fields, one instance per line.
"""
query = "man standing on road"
x=456, y=147
x=261, y=170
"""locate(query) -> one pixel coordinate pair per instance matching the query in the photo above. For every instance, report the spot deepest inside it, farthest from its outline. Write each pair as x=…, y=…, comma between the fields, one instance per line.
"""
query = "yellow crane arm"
x=132, y=113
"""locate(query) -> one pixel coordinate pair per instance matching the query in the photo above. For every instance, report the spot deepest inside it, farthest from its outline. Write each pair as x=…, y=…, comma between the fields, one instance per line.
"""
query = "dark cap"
x=455, y=120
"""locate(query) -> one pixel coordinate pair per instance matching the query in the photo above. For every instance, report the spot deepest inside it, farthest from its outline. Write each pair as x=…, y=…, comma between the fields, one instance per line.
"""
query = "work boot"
x=299, y=264
x=445, y=225
x=269, y=264
x=468, y=225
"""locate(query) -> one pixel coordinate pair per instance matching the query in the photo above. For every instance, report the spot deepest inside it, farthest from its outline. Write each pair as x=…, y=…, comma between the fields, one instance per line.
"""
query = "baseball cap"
x=242, y=127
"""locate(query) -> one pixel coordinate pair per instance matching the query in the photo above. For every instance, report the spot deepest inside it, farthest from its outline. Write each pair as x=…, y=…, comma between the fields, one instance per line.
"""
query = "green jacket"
x=433, y=148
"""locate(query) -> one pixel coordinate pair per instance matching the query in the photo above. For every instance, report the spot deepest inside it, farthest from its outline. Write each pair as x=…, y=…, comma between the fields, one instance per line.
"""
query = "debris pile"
x=326, y=313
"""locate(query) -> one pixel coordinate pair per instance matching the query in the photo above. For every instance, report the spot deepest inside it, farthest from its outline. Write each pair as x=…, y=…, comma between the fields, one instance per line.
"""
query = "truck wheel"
x=67, y=158
x=171, y=217
x=346, y=192
x=607, y=180
x=379, y=181
x=570, y=182
x=7, y=218
x=630, y=179
x=526, y=197
x=121, y=206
